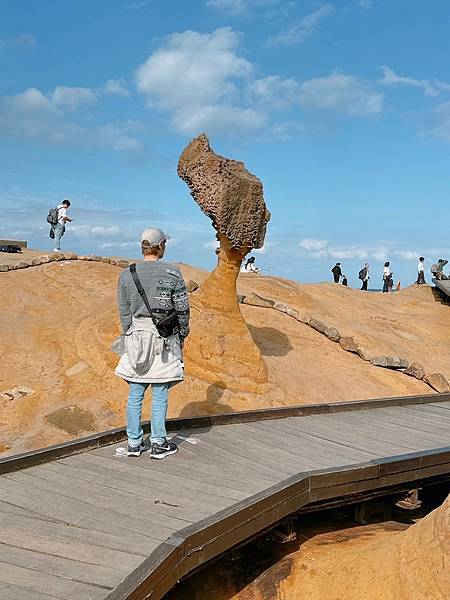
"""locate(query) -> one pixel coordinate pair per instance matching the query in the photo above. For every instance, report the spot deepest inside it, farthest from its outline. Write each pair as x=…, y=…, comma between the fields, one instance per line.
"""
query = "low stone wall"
x=436, y=381
x=58, y=256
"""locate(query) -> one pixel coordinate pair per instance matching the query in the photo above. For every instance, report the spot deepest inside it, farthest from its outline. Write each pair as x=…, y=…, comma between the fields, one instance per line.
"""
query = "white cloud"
x=366, y=4
x=407, y=254
x=71, y=98
x=442, y=130
x=313, y=244
x=34, y=116
x=213, y=245
x=274, y=91
x=114, y=87
x=344, y=93
x=196, y=76
x=95, y=230
x=22, y=40
x=430, y=87
x=299, y=31
x=230, y=7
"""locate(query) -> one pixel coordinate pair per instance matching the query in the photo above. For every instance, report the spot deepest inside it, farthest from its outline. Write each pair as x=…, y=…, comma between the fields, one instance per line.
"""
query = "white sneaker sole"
x=161, y=456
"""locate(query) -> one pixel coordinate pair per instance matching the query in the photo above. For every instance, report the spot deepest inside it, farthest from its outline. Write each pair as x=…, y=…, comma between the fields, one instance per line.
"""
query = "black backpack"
x=52, y=216
x=362, y=274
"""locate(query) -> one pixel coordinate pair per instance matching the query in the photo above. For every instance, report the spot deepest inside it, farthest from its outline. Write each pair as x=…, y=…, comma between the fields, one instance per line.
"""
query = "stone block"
x=70, y=256
x=415, y=370
x=94, y=257
x=318, y=325
x=332, y=334
x=281, y=307
x=22, y=265
x=36, y=261
x=438, y=382
x=45, y=258
x=390, y=362
x=364, y=354
x=256, y=300
x=348, y=344
x=122, y=263
x=192, y=285
x=4, y=268
x=106, y=259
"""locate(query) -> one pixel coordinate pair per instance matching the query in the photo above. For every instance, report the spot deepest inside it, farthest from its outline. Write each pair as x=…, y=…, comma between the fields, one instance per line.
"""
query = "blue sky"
x=341, y=108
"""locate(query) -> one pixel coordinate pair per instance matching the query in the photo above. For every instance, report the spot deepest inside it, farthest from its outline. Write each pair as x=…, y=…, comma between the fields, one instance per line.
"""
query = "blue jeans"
x=160, y=395
x=59, y=232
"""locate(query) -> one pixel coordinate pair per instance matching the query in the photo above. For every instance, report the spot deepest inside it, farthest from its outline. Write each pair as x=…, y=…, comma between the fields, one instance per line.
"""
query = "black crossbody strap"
x=141, y=291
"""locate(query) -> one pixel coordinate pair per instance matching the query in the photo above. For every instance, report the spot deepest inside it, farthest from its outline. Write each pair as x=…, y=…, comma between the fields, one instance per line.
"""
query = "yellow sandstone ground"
x=58, y=320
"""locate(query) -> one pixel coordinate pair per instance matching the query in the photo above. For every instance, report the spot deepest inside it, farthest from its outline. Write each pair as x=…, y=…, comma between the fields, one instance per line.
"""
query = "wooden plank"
x=100, y=542
x=125, y=468
x=44, y=583
x=47, y=542
x=443, y=405
x=385, y=433
x=232, y=448
x=340, y=440
x=199, y=463
x=388, y=431
x=78, y=512
x=155, y=508
x=75, y=570
x=318, y=452
x=12, y=509
x=113, y=501
x=15, y=592
x=416, y=421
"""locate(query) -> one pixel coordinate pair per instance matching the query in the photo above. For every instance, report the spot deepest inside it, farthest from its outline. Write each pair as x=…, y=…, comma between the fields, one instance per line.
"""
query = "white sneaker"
x=56, y=250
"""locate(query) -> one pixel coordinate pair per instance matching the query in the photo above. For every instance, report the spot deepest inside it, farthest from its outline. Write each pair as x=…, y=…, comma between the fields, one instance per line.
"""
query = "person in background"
x=398, y=286
x=364, y=276
x=344, y=280
x=337, y=272
x=60, y=228
x=437, y=269
x=388, y=282
x=421, y=271
x=249, y=266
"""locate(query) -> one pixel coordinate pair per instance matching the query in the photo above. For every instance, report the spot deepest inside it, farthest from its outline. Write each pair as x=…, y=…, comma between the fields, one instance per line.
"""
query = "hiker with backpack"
x=154, y=314
x=57, y=217
x=364, y=276
x=437, y=269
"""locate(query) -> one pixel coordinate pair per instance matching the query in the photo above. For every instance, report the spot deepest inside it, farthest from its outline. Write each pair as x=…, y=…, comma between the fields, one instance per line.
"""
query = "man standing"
x=147, y=358
x=364, y=276
x=60, y=227
x=337, y=272
x=421, y=271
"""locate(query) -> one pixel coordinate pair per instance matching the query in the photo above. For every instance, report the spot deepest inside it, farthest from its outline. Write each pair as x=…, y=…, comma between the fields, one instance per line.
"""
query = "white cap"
x=154, y=236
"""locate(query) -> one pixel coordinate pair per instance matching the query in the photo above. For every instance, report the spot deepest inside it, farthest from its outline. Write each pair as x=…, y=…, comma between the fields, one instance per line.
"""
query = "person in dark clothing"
x=437, y=269
x=344, y=280
x=337, y=272
x=364, y=276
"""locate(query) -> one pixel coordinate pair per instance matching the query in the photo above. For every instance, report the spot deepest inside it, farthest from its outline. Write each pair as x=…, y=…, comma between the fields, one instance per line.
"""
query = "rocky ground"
x=58, y=320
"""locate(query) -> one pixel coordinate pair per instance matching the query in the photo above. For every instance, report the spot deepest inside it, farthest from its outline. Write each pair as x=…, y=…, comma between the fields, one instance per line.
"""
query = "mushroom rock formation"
x=221, y=346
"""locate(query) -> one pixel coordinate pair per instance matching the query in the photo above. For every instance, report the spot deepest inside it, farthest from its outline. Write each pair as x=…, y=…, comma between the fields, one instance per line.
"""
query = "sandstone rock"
x=348, y=343
x=415, y=370
x=83, y=257
x=227, y=193
x=94, y=257
x=72, y=419
x=56, y=256
x=332, y=334
x=16, y=392
x=45, y=258
x=256, y=300
x=70, y=256
x=292, y=313
x=122, y=263
x=233, y=199
x=36, y=261
x=4, y=447
x=281, y=307
x=112, y=261
x=318, y=325
x=390, y=362
x=240, y=298
x=4, y=268
x=364, y=354
x=22, y=265
x=438, y=382
x=106, y=259
x=192, y=286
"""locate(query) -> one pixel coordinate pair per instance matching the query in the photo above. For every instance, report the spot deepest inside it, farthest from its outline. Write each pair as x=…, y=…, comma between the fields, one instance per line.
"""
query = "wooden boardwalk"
x=78, y=522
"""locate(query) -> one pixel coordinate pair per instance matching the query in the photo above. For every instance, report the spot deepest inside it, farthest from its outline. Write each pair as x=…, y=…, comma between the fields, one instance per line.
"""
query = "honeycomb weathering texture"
x=225, y=191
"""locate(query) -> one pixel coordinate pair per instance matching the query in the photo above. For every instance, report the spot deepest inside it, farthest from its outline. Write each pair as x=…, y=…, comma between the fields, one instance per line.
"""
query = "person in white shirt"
x=388, y=282
x=60, y=227
x=421, y=272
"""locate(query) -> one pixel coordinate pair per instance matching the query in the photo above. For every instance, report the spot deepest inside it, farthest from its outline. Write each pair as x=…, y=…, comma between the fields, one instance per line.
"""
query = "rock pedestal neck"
x=220, y=347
